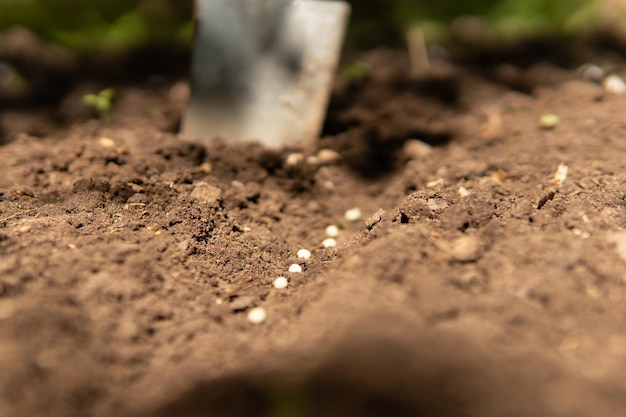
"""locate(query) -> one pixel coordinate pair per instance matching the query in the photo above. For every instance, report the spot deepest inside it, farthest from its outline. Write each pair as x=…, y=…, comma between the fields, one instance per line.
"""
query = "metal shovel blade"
x=263, y=69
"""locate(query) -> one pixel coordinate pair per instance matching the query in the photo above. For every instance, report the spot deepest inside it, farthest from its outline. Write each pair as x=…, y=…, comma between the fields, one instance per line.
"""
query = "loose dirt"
x=477, y=282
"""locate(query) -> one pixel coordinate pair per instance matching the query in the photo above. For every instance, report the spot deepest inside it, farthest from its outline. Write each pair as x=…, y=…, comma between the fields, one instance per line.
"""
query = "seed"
x=106, y=142
x=295, y=269
x=329, y=243
x=281, y=283
x=257, y=315
x=353, y=214
x=332, y=231
x=304, y=254
x=549, y=121
x=327, y=156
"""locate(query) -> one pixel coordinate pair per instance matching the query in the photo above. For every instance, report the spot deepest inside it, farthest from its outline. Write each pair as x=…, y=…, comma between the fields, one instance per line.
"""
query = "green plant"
x=117, y=25
x=356, y=72
x=101, y=101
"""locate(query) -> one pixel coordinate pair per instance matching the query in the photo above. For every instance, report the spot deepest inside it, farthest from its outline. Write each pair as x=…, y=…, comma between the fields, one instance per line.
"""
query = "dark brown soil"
x=476, y=284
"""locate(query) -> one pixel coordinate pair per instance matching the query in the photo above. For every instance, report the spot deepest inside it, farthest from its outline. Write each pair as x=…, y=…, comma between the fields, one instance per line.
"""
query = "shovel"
x=263, y=69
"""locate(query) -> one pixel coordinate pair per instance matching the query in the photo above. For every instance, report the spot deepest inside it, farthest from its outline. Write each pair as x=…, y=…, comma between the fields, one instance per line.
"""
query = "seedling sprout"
x=101, y=101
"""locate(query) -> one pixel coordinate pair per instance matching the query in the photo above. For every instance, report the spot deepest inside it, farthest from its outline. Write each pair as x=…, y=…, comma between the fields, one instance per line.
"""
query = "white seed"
x=332, y=231
x=257, y=315
x=329, y=243
x=281, y=283
x=327, y=156
x=353, y=215
x=614, y=84
x=295, y=269
x=304, y=254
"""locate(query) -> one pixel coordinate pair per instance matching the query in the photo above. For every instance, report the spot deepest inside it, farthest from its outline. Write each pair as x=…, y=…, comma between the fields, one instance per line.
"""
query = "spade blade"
x=263, y=69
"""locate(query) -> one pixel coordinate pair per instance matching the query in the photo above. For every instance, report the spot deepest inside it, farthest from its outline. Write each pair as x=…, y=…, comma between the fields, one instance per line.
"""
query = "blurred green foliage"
x=122, y=24
x=101, y=24
x=375, y=20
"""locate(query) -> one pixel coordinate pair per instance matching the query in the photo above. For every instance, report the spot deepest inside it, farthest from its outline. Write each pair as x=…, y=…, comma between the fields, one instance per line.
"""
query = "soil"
x=478, y=282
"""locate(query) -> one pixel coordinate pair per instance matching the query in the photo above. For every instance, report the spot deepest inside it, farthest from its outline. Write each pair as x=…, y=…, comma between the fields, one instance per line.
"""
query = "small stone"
x=294, y=159
x=281, y=283
x=295, y=269
x=375, y=219
x=463, y=192
x=614, y=84
x=332, y=231
x=257, y=315
x=204, y=168
x=416, y=149
x=180, y=92
x=206, y=193
x=592, y=73
x=436, y=183
x=242, y=303
x=329, y=243
x=549, y=121
x=304, y=254
x=500, y=176
x=619, y=240
x=437, y=204
x=353, y=215
x=465, y=249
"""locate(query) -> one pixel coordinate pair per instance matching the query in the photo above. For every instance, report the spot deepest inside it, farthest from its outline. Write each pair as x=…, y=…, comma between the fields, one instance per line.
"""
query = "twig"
x=418, y=53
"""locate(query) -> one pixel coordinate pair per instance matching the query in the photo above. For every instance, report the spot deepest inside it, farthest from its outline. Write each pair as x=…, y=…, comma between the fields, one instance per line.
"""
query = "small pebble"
x=592, y=73
x=332, y=231
x=304, y=254
x=329, y=243
x=465, y=249
x=549, y=121
x=463, y=192
x=614, y=84
x=417, y=149
x=329, y=185
x=436, y=183
x=353, y=215
x=294, y=159
x=180, y=92
x=295, y=269
x=281, y=283
x=375, y=219
x=257, y=315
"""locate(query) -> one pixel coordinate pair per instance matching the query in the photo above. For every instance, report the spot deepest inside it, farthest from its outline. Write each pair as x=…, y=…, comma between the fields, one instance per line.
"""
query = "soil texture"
x=486, y=275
